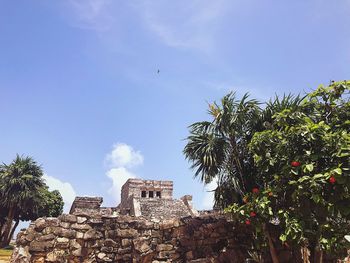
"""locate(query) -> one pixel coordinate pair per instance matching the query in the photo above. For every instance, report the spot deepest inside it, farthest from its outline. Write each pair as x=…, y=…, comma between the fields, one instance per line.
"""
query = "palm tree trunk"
x=305, y=254
x=12, y=232
x=7, y=226
x=238, y=162
x=318, y=255
x=272, y=248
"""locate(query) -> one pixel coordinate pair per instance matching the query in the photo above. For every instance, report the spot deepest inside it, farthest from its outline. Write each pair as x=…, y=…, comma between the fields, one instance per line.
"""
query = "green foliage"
x=24, y=195
x=52, y=205
x=218, y=149
x=302, y=164
x=285, y=165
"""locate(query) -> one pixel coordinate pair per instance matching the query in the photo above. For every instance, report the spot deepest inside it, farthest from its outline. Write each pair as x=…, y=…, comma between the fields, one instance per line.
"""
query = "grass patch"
x=5, y=254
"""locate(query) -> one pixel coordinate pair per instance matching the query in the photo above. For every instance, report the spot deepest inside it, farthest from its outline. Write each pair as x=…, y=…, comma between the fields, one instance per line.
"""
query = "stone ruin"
x=148, y=226
x=146, y=198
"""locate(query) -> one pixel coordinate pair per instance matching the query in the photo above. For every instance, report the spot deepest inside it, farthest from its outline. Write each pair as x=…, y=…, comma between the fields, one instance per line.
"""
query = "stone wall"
x=98, y=238
x=162, y=208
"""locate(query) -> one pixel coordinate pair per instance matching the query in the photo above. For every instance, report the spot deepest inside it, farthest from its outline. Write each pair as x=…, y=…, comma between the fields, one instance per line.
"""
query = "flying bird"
x=158, y=71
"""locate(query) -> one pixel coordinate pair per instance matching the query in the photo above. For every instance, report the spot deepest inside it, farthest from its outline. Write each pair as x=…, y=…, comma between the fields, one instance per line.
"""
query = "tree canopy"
x=289, y=163
x=24, y=196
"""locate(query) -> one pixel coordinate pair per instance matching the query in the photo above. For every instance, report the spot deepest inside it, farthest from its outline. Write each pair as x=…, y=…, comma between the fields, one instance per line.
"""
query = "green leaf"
x=283, y=237
x=337, y=171
x=309, y=167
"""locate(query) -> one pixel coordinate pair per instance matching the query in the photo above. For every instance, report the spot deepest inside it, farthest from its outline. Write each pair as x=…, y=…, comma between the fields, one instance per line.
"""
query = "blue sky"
x=80, y=91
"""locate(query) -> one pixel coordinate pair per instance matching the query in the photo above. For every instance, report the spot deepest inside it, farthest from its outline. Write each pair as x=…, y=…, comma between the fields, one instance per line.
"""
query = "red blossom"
x=247, y=222
x=295, y=164
x=255, y=190
x=252, y=214
x=332, y=179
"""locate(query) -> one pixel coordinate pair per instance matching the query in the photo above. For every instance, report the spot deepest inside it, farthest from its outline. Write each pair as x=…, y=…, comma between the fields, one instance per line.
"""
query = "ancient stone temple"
x=150, y=198
x=148, y=226
x=146, y=198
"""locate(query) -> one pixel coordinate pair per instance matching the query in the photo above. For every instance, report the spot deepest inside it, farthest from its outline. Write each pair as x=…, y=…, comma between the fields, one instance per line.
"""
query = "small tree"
x=24, y=196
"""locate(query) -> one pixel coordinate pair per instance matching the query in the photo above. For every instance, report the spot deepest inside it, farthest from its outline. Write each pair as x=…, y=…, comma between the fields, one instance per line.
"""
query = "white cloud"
x=122, y=158
x=65, y=188
x=208, y=198
x=181, y=24
x=124, y=155
x=119, y=176
x=187, y=24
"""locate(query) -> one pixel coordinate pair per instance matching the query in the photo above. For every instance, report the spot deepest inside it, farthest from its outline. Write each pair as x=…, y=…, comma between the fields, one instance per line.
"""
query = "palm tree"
x=20, y=183
x=218, y=149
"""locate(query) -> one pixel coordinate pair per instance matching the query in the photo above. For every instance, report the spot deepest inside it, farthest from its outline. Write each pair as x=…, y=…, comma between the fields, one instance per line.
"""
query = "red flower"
x=247, y=222
x=255, y=190
x=332, y=179
x=252, y=214
x=295, y=164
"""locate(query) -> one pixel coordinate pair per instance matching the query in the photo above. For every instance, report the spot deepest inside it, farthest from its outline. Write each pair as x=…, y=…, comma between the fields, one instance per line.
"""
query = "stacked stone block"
x=96, y=238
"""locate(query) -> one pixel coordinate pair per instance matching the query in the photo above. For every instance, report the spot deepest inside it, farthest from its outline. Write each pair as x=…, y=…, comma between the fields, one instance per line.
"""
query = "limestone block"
x=81, y=219
x=64, y=224
x=80, y=226
x=62, y=232
x=40, y=224
x=164, y=247
x=46, y=237
x=126, y=242
x=92, y=234
x=68, y=218
x=110, y=243
x=55, y=256
x=127, y=233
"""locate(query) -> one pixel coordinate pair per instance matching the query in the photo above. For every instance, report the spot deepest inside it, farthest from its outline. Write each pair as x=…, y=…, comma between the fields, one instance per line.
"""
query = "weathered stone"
x=95, y=221
x=92, y=234
x=81, y=219
x=189, y=255
x=40, y=224
x=20, y=255
x=123, y=251
x=65, y=224
x=166, y=224
x=46, y=237
x=40, y=246
x=125, y=242
x=79, y=235
x=39, y=260
x=164, y=247
x=141, y=245
x=49, y=230
x=55, y=256
x=62, y=232
x=127, y=233
x=110, y=243
x=81, y=226
x=130, y=239
x=75, y=248
x=30, y=236
x=107, y=249
x=62, y=242
x=68, y=218
x=101, y=255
